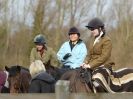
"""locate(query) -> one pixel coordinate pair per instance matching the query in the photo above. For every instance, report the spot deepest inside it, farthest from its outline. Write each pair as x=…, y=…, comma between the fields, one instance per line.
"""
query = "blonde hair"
x=36, y=67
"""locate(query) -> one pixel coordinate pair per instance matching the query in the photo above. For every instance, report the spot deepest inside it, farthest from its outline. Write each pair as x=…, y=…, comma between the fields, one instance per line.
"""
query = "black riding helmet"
x=39, y=39
x=95, y=24
x=73, y=30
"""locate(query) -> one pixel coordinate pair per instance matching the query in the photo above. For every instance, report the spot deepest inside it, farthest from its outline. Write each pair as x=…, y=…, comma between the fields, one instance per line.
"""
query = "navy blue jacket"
x=42, y=83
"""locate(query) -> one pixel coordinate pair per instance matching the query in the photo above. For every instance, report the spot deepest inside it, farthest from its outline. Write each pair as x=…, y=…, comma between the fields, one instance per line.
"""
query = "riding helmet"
x=73, y=30
x=95, y=23
x=39, y=39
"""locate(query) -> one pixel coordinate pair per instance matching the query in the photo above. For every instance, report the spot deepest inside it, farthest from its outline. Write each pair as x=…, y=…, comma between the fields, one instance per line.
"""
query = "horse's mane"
x=36, y=67
x=77, y=81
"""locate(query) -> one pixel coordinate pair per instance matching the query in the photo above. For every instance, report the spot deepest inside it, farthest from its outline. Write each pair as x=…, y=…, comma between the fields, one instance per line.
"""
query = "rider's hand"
x=85, y=65
x=67, y=56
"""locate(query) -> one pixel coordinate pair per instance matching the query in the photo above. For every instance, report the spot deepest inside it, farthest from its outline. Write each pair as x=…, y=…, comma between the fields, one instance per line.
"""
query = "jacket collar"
x=97, y=39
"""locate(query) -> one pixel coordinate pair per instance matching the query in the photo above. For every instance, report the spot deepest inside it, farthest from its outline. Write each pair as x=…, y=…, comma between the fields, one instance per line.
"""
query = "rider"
x=43, y=53
x=73, y=52
x=100, y=46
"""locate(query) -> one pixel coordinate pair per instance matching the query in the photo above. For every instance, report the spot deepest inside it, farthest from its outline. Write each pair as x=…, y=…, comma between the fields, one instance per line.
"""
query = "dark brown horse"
x=77, y=81
x=19, y=78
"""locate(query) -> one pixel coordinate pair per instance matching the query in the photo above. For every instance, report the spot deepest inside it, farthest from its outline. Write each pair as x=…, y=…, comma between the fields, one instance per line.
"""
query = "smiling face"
x=74, y=37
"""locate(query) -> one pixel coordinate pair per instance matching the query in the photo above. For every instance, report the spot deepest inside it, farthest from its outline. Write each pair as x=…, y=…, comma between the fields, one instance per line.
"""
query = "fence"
x=62, y=92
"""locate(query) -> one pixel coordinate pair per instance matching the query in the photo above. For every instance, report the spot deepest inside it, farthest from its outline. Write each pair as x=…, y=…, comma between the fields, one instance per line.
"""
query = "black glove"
x=66, y=56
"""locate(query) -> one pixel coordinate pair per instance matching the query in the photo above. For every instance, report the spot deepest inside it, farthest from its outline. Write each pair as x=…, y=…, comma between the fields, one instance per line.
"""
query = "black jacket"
x=42, y=83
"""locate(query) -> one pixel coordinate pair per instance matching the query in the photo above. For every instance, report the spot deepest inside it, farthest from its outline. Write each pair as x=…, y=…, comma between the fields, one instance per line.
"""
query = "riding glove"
x=67, y=56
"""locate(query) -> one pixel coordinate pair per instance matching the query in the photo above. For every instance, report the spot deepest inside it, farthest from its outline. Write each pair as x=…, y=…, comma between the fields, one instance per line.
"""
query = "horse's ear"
x=19, y=68
x=6, y=68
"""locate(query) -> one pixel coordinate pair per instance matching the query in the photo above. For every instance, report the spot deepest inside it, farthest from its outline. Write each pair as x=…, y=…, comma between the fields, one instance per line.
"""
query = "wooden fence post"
x=62, y=89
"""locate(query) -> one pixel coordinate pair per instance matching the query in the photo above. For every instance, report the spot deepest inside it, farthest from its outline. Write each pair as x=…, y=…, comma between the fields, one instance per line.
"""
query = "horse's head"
x=14, y=78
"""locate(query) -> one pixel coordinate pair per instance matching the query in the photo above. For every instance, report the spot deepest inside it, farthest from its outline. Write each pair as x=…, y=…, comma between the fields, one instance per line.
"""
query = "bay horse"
x=114, y=81
x=80, y=80
x=19, y=78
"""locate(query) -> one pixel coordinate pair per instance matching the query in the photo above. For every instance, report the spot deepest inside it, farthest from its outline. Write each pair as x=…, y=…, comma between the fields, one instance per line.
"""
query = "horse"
x=114, y=81
x=80, y=80
x=18, y=78
x=54, y=71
